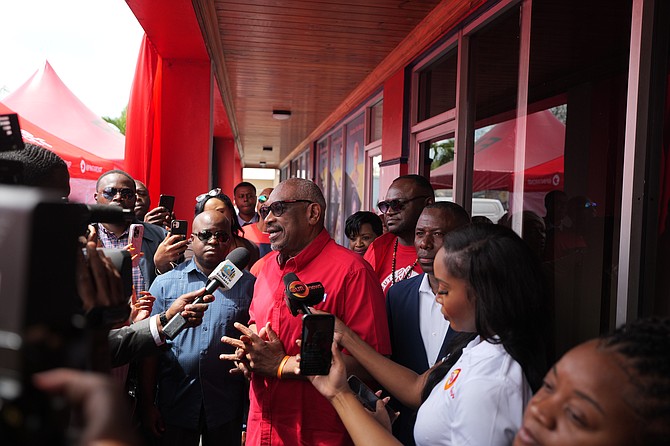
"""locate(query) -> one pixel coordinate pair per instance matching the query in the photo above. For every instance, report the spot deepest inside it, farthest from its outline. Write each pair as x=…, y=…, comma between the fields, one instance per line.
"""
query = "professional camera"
x=41, y=322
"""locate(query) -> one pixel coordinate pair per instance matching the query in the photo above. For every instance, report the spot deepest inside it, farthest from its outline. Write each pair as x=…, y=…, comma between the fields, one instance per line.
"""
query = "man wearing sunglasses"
x=392, y=255
x=284, y=407
x=196, y=393
x=117, y=188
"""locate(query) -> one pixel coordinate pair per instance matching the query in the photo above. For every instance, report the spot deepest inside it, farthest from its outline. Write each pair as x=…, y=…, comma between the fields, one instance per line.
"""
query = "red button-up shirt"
x=293, y=412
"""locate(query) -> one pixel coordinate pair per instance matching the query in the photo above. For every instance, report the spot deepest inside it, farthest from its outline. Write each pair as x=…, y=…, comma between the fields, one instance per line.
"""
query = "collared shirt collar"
x=308, y=254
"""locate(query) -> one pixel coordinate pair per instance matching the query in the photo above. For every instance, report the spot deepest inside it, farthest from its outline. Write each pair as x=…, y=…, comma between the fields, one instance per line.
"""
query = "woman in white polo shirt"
x=491, y=289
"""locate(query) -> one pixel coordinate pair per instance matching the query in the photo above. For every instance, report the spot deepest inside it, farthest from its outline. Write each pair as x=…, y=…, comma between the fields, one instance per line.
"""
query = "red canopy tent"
x=494, y=156
x=51, y=116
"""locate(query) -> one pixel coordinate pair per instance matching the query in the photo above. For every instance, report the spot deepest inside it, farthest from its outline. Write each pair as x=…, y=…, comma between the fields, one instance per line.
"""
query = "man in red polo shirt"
x=392, y=255
x=285, y=409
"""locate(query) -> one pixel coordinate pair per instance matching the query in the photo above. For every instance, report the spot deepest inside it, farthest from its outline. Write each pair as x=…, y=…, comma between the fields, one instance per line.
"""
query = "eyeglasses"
x=205, y=236
x=211, y=193
x=590, y=204
x=278, y=207
x=262, y=198
x=396, y=205
x=110, y=192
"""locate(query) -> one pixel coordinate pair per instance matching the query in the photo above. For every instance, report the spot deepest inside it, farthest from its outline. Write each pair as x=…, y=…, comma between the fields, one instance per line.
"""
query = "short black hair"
x=38, y=163
x=244, y=184
x=420, y=181
x=118, y=172
x=458, y=215
x=353, y=225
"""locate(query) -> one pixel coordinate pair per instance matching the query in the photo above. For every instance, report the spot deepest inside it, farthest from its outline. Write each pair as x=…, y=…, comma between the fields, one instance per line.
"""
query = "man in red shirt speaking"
x=285, y=409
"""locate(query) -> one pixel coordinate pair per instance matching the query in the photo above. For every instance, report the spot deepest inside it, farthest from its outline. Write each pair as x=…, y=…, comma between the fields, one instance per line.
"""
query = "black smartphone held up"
x=317, y=338
x=167, y=201
x=367, y=397
x=363, y=393
x=179, y=227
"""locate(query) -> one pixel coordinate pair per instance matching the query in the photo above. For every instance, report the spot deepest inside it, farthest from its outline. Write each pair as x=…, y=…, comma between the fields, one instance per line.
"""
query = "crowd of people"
x=451, y=317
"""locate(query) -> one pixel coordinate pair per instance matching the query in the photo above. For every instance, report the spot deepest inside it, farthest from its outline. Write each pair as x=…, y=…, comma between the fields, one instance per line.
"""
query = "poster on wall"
x=335, y=221
x=354, y=166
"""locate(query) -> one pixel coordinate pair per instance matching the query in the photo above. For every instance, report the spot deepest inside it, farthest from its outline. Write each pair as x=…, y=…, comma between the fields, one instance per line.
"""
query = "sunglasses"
x=262, y=198
x=278, y=207
x=110, y=192
x=205, y=236
x=211, y=193
x=396, y=205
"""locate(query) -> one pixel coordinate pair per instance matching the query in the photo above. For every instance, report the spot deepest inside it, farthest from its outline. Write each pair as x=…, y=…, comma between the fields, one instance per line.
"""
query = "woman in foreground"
x=491, y=288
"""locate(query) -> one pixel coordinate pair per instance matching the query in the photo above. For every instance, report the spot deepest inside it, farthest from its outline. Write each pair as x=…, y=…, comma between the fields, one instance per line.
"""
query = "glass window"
x=437, y=86
x=335, y=197
x=354, y=178
x=438, y=155
x=322, y=176
x=495, y=73
x=574, y=146
x=374, y=178
x=376, y=112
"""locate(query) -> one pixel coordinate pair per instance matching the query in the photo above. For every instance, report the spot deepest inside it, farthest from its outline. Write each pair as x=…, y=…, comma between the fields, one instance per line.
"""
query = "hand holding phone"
x=317, y=338
x=167, y=201
x=135, y=234
x=367, y=397
x=179, y=227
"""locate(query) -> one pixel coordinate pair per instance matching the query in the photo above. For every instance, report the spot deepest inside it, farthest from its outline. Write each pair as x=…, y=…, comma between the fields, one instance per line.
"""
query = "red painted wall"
x=392, y=132
x=229, y=165
x=185, y=132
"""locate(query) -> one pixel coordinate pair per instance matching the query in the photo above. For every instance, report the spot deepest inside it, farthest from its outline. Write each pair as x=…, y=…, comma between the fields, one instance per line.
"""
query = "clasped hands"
x=260, y=353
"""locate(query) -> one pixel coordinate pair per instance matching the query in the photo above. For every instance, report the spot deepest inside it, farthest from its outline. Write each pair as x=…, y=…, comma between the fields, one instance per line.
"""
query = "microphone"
x=226, y=275
x=300, y=296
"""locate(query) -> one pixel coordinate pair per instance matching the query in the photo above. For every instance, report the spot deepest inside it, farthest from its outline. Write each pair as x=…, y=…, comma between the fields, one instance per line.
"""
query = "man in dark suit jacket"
x=420, y=336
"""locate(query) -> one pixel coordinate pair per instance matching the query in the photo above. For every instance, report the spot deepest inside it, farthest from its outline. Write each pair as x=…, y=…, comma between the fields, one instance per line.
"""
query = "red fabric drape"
x=143, y=118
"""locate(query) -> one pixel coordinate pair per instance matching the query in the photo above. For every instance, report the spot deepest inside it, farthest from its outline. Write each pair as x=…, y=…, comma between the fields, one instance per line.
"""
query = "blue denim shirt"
x=190, y=373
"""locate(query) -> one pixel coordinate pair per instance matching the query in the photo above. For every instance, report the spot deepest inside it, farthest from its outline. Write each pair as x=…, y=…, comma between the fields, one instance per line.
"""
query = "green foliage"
x=119, y=122
x=441, y=152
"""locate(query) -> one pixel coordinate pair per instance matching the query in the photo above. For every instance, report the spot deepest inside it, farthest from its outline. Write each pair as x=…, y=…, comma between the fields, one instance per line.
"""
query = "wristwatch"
x=163, y=318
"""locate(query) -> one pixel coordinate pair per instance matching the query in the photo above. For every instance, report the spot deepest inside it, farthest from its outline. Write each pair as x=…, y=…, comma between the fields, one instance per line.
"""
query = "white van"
x=487, y=207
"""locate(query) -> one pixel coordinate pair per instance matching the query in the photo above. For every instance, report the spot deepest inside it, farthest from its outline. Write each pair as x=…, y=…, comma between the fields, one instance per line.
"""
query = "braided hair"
x=644, y=346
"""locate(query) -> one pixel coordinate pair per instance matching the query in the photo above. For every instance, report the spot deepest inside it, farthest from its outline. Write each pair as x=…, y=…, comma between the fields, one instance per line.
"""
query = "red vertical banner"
x=143, y=118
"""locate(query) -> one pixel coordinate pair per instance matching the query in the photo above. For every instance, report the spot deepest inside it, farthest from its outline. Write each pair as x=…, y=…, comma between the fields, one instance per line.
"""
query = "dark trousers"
x=228, y=434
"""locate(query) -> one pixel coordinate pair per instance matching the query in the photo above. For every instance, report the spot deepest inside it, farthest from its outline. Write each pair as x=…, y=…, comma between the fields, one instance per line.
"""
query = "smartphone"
x=167, y=201
x=364, y=394
x=179, y=227
x=136, y=232
x=367, y=397
x=317, y=338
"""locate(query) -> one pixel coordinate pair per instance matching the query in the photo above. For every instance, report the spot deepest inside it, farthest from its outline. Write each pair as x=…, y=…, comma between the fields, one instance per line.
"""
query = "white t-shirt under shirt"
x=479, y=402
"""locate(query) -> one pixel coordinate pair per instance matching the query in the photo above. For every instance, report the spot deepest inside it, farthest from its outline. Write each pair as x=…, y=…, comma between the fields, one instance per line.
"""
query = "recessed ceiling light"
x=281, y=115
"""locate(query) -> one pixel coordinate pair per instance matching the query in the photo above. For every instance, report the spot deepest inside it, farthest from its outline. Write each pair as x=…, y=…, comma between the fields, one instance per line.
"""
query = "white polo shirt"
x=479, y=402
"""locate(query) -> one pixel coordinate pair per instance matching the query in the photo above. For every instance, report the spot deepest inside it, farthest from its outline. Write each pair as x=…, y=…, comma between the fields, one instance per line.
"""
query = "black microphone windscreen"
x=290, y=277
x=240, y=257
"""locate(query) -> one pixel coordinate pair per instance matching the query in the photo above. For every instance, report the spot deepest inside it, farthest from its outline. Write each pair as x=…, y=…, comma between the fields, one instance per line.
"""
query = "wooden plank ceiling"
x=305, y=56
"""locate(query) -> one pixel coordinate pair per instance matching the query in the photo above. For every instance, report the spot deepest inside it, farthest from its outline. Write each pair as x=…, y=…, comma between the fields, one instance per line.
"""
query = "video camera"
x=41, y=322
